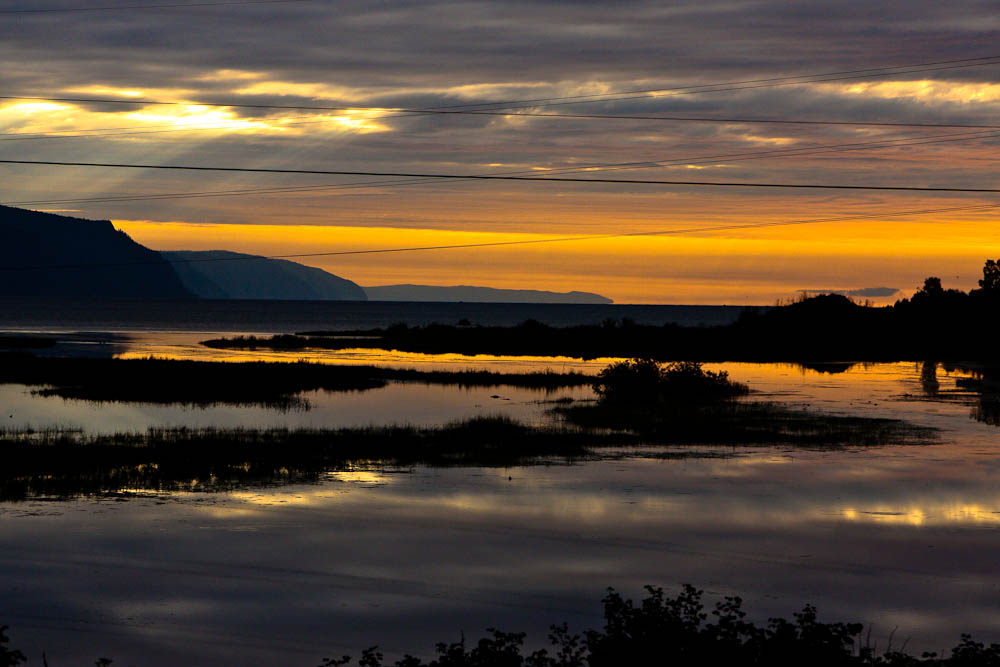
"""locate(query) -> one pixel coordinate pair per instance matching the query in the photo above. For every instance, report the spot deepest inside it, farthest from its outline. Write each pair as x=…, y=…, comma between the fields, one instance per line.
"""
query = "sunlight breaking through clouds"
x=927, y=91
x=374, y=62
x=197, y=117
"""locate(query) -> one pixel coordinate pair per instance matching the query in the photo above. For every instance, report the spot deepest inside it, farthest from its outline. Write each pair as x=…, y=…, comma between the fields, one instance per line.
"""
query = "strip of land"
x=66, y=464
x=267, y=384
x=827, y=328
x=641, y=406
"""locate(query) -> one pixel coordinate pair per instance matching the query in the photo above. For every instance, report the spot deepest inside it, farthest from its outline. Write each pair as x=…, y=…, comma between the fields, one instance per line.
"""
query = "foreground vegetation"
x=682, y=402
x=265, y=383
x=676, y=631
x=661, y=630
x=642, y=406
x=55, y=463
x=66, y=464
x=933, y=324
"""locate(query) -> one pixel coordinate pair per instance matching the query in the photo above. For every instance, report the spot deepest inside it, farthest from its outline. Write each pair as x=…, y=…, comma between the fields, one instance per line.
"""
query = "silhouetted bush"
x=8, y=657
x=647, y=381
x=677, y=632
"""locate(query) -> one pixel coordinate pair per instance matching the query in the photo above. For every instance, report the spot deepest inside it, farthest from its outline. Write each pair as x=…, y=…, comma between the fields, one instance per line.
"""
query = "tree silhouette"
x=991, y=277
x=8, y=657
x=932, y=286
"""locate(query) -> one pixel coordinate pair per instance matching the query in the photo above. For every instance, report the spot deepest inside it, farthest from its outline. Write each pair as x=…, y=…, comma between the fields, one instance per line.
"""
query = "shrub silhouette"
x=8, y=657
x=678, y=632
x=646, y=381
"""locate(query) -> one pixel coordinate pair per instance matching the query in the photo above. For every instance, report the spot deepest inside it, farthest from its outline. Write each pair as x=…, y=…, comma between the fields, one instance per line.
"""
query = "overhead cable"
x=495, y=177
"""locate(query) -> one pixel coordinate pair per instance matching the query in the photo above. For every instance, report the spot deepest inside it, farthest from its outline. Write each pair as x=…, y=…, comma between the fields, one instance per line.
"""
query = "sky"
x=367, y=60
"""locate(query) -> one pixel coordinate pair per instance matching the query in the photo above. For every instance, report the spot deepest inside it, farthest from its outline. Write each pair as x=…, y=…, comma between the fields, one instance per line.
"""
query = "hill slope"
x=220, y=274
x=43, y=255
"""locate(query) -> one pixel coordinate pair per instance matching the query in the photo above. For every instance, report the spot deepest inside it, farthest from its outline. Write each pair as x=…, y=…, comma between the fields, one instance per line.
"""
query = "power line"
x=60, y=10
x=497, y=107
x=804, y=151
x=497, y=177
x=733, y=157
x=563, y=239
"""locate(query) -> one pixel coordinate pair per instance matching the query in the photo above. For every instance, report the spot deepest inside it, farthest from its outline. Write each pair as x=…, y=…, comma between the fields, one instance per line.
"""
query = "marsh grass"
x=742, y=423
x=69, y=463
x=642, y=405
x=275, y=385
x=56, y=463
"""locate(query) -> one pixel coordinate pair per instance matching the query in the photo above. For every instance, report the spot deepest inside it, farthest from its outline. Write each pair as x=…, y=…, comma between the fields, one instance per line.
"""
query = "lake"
x=903, y=539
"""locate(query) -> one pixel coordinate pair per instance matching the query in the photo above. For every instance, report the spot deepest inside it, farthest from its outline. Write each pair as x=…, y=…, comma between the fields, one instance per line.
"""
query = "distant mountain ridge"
x=48, y=256
x=476, y=294
x=221, y=274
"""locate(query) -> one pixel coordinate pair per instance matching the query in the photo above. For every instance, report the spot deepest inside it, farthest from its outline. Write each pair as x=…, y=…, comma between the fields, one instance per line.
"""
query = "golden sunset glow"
x=664, y=268
x=927, y=90
x=283, y=117
x=411, y=333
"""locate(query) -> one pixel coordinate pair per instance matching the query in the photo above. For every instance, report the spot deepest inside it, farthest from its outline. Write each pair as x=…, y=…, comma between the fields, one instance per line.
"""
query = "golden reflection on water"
x=679, y=497
x=190, y=349
x=838, y=491
x=360, y=476
x=929, y=515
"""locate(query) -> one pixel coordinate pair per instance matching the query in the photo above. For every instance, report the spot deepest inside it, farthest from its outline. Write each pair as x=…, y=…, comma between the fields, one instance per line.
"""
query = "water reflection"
x=399, y=403
x=928, y=378
x=400, y=558
x=900, y=536
x=977, y=386
x=871, y=390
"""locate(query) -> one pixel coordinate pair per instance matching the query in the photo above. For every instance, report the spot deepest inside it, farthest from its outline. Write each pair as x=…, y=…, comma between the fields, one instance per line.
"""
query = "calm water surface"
x=901, y=537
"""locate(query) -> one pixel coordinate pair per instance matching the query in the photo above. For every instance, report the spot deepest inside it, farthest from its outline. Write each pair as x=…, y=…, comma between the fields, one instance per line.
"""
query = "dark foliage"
x=271, y=384
x=65, y=465
x=645, y=381
x=8, y=657
x=60, y=464
x=671, y=631
x=17, y=342
x=679, y=632
x=741, y=423
x=935, y=323
x=683, y=403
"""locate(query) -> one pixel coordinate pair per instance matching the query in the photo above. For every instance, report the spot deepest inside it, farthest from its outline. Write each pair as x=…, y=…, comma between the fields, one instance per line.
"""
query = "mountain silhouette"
x=220, y=274
x=43, y=255
x=478, y=294
x=49, y=256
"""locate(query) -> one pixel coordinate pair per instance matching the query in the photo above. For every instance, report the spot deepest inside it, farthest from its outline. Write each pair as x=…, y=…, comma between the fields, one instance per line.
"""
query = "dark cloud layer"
x=441, y=54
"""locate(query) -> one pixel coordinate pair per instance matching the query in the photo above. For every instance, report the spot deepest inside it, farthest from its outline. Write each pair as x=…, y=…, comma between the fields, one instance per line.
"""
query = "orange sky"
x=752, y=267
x=365, y=64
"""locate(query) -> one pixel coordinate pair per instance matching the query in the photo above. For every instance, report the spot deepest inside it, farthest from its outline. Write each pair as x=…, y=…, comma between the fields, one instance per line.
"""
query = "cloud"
x=357, y=54
x=872, y=292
